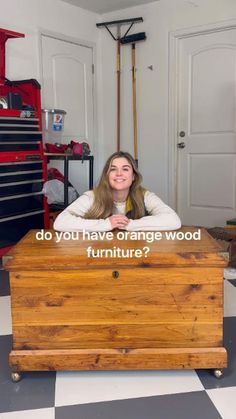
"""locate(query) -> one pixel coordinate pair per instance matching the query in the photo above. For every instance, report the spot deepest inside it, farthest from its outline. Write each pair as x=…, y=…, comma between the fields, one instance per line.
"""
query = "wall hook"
x=150, y=67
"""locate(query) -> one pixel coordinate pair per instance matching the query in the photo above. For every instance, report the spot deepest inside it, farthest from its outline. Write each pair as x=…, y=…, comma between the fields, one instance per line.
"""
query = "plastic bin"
x=53, y=124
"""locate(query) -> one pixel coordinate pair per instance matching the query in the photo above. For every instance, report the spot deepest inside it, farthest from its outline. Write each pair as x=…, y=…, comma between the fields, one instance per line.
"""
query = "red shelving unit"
x=23, y=166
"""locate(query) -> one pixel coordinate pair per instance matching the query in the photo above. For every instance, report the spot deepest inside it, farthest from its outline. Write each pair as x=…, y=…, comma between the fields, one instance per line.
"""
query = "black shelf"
x=67, y=158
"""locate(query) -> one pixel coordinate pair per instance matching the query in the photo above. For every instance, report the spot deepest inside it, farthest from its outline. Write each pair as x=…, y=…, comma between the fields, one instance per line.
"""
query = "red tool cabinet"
x=23, y=167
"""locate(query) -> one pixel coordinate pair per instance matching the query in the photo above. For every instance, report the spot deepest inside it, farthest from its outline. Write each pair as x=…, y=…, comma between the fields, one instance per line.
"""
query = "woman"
x=119, y=201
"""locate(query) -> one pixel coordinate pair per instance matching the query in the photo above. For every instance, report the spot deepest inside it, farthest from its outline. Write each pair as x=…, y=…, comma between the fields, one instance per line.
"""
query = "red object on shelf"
x=5, y=34
x=29, y=90
x=56, y=174
x=60, y=148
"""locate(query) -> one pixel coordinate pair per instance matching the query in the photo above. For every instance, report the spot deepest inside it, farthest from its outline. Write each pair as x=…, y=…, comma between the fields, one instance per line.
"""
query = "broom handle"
x=134, y=104
x=118, y=94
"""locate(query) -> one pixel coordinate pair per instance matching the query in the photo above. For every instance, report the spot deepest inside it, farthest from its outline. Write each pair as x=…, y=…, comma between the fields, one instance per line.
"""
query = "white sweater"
x=161, y=216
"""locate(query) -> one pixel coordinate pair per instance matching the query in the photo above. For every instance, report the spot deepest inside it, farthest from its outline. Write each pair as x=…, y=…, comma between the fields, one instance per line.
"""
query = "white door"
x=206, y=191
x=67, y=69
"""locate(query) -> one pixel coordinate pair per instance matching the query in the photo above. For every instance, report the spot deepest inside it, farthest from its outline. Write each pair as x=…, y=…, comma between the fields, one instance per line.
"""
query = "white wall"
x=152, y=86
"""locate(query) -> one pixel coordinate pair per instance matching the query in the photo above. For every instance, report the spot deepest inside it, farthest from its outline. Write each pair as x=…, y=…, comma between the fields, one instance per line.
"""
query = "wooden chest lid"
x=141, y=249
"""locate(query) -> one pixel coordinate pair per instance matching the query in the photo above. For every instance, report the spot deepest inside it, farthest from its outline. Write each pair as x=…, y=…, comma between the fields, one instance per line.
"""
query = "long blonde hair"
x=103, y=199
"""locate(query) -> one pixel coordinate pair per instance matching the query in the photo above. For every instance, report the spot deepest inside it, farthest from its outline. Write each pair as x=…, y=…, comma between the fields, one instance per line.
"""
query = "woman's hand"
x=118, y=221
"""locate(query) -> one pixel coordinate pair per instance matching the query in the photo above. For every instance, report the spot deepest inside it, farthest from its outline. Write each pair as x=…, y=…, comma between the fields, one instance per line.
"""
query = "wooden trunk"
x=163, y=310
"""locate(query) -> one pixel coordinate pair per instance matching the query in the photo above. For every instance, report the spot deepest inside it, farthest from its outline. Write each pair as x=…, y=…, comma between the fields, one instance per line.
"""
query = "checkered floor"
x=118, y=395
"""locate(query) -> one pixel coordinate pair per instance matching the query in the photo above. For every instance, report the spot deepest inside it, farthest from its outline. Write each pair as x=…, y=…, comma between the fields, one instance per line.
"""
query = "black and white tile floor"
x=187, y=394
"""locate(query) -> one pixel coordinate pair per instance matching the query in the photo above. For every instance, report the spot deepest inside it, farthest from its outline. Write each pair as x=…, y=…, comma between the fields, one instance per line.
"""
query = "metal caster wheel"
x=218, y=373
x=15, y=376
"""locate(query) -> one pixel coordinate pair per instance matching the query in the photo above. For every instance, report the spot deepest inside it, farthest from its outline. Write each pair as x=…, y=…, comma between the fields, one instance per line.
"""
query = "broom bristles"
x=141, y=36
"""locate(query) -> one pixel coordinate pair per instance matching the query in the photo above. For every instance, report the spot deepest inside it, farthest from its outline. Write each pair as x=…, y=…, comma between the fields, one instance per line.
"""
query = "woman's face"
x=120, y=174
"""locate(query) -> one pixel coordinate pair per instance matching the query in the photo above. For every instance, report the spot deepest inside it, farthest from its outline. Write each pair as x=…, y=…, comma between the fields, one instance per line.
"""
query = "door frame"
x=173, y=96
x=87, y=44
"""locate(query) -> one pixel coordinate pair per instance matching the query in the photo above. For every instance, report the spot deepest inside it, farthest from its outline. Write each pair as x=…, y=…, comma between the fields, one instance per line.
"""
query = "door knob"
x=181, y=145
x=182, y=134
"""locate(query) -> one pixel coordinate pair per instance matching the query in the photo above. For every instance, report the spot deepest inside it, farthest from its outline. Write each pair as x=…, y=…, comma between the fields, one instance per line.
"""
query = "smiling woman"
x=118, y=202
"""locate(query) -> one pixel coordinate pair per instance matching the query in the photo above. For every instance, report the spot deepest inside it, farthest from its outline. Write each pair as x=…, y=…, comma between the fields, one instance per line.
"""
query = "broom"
x=132, y=39
x=118, y=24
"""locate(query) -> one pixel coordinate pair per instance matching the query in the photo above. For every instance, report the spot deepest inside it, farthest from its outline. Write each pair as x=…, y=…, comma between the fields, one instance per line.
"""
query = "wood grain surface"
x=72, y=254
x=118, y=359
x=73, y=312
